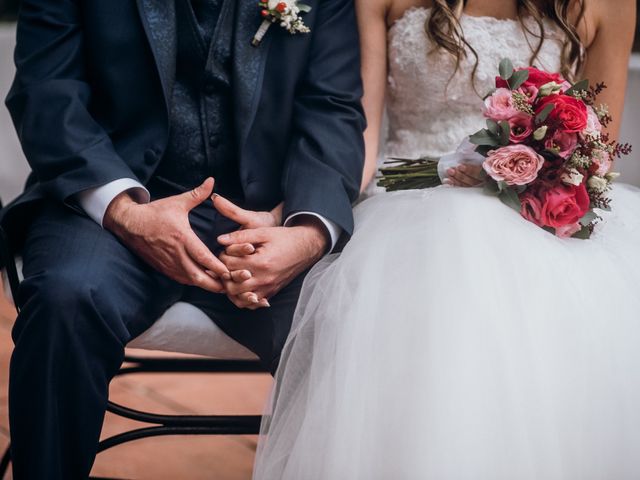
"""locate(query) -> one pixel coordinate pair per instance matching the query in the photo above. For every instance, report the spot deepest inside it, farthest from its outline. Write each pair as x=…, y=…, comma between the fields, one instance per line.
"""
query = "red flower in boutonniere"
x=284, y=12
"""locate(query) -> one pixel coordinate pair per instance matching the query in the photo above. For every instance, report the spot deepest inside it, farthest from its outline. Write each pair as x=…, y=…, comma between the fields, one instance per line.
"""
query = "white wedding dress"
x=452, y=339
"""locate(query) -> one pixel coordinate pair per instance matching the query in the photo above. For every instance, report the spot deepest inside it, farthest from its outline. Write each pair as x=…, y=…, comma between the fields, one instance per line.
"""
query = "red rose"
x=569, y=114
x=563, y=205
x=281, y=7
x=537, y=78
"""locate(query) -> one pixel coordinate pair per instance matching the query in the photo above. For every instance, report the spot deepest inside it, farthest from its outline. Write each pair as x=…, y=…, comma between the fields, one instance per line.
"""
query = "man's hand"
x=159, y=232
x=281, y=254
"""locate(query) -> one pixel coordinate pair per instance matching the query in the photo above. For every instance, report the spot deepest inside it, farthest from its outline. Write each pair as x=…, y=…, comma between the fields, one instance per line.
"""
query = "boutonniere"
x=285, y=12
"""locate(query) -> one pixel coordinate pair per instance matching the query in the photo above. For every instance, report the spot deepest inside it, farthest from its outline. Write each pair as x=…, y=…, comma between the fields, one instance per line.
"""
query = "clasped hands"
x=258, y=260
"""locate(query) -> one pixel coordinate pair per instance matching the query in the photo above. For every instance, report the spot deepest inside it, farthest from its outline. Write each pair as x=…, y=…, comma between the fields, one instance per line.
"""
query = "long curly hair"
x=443, y=28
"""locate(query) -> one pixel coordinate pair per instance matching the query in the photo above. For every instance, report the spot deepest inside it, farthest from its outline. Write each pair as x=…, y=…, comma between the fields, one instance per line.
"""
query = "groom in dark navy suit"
x=125, y=110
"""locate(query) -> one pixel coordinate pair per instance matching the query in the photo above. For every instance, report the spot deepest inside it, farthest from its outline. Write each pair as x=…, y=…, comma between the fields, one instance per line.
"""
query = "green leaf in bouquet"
x=506, y=69
x=544, y=114
x=582, y=85
x=484, y=149
x=518, y=78
x=589, y=217
x=505, y=132
x=491, y=187
x=493, y=127
x=510, y=198
x=583, y=234
x=303, y=7
x=484, y=137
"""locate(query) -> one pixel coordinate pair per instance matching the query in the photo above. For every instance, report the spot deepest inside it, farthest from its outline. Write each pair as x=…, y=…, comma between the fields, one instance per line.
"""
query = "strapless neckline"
x=479, y=18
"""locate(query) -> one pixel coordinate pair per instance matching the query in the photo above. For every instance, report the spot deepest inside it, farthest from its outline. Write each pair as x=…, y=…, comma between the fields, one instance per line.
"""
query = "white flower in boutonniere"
x=286, y=13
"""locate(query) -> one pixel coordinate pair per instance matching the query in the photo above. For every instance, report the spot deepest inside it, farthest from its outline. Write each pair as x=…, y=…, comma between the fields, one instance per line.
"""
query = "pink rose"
x=499, y=106
x=513, y=164
x=521, y=127
x=602, y=160
x=562, y=143
x=568, y=230
x=564, y=205
x=529, y=91
x=531, y=207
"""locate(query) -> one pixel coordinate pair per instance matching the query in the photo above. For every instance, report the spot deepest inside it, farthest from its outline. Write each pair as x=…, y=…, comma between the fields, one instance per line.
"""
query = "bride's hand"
x=465, y=176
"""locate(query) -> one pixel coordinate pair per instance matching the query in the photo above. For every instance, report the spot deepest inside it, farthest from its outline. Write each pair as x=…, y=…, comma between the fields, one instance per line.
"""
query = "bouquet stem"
x=405, y=174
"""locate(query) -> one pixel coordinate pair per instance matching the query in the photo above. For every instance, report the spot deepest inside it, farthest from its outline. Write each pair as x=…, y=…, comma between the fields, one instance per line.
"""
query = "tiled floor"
x=219, y=458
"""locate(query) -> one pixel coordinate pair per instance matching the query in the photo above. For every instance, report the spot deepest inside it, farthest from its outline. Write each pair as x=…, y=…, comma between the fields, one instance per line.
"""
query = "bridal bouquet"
x=543, y=149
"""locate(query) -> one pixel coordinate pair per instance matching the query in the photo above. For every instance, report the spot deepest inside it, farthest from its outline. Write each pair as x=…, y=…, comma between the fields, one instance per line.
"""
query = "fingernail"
x=226, y=276
x=246, y=275
x=265, y=303
x=214, y=196
x=223, y=238
x=250, y=249
x=254, y=299
x=451, y=171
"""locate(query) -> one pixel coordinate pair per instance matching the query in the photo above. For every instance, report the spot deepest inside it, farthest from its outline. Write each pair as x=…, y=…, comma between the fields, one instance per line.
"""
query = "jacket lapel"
x=248, y=66
x=159, y=21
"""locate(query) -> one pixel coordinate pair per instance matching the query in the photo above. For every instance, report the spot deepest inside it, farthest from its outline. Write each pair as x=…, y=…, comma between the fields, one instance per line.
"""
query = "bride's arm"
x=372, y=23
x=608, y=33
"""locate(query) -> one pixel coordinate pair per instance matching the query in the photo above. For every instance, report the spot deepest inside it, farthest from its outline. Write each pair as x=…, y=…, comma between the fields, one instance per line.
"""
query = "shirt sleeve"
x=332, y=228
x=95, y=201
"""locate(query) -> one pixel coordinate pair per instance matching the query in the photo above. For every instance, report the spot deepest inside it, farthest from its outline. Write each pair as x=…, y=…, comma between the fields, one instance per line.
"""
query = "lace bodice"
x=430, y=115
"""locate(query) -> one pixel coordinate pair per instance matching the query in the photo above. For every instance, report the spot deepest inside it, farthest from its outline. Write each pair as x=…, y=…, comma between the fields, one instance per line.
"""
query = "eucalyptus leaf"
x=506, y=69
x=484, y=137
x=544, y=114
x=304, y=7
x=589, y=217
x=578, y=87
x=491, y=187
x=492, y=126
x=510, y=198
x=583, y=234
x=518, y=78
x=505, y=132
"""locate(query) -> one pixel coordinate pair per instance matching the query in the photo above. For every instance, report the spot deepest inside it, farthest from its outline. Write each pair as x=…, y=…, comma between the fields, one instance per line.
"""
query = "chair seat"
x=182, y=329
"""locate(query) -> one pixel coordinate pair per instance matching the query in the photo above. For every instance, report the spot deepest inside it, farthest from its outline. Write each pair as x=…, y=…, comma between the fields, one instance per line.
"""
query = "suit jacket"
x=90, y=102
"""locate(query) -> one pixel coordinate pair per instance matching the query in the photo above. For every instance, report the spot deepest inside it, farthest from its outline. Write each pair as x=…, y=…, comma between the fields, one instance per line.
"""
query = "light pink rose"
x=499, y=106
x=603, y=160
x=521, y=127
x=594, y=127
x=562, y=143
x=513, y=164
x=568, y=230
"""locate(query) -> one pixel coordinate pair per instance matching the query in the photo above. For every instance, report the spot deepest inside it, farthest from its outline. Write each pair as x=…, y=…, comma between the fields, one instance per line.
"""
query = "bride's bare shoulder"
x=598, y=16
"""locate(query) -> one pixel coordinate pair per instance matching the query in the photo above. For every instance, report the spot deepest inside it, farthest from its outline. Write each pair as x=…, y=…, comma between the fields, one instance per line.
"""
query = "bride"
x=452, y=339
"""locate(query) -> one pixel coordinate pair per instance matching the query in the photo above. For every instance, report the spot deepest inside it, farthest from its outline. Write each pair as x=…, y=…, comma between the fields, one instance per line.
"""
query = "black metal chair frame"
x=159, y=425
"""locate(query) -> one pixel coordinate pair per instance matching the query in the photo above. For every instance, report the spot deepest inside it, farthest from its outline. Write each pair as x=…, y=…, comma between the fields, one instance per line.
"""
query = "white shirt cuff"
x=332, y=228
x=95, y=201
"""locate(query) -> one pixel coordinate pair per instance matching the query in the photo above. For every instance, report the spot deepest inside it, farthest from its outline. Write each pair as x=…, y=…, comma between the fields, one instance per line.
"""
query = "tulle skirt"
x=451, y=339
